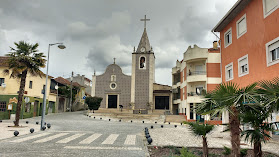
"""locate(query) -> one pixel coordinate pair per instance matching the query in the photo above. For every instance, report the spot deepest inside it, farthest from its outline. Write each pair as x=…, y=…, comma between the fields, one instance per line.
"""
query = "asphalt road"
x=74, y=134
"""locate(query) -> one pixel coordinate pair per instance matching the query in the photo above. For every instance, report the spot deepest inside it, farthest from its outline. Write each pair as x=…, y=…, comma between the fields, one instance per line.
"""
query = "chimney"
x=215, y=45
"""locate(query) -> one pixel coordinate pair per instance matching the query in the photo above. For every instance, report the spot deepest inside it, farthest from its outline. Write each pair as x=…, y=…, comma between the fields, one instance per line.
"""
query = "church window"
x=142, y=63
x=113, y=85
x=113, y=78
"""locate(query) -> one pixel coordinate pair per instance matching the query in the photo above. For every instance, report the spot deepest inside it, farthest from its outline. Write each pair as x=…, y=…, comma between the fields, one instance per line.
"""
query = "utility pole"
x=71, y=91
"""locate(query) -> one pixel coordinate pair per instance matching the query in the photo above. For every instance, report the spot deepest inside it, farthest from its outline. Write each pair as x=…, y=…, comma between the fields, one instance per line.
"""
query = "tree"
x=202, y=130
x=259, y=131
x=269, y=91
x=93, y=102
x=229, y=97
x=24, y=59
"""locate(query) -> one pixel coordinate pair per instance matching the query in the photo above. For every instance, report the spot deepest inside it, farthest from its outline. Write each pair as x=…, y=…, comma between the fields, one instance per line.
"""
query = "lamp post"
x=61, y=46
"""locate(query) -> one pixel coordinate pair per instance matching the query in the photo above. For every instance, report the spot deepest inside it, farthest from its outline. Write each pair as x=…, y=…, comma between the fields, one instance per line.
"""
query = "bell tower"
x=143, y=72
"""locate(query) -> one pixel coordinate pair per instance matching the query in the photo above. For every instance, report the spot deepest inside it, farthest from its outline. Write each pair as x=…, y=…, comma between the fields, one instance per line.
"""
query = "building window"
x=142, y=63
x=243, y=67
x=30, y=84
x=269, y=6
x=199, y=90
x=27, y=107
x=228, y=37
x=272, y=52
x=3, y=106
x=113, y=78
x=241, y=26
x=229, y=71
x=113, y=85
x=2, y=80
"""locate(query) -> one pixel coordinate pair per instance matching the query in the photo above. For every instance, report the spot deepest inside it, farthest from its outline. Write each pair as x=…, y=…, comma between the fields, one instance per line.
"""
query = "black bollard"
x=45, y=123
x=94, y=117
x=149, y=140
x=169, y=122
x=180, y=123
x=143, y=121
x=0, y=121
x=175, y=126
x=37, y=123
x=43, y=128
x=155, y=122
x=119, y=120
x=27, y=122
x=16, y=133
x=162, y=126
x=48, y=125
x=89, y=116
x=101, y=118
x=151, y=127
x=109, y=119
x=31, y=130
x=131, y=121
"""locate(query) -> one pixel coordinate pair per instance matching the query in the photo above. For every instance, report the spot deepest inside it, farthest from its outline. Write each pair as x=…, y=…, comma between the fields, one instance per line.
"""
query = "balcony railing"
x=202, y=93
x=196, y=73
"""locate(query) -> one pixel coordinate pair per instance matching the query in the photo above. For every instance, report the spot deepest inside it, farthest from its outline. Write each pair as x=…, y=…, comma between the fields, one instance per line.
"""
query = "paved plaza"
x=75, y=134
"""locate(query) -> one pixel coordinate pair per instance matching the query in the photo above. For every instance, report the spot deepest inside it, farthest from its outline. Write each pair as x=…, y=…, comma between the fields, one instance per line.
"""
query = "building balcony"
x=194, y=97
x=176, y=101
x=196, y=76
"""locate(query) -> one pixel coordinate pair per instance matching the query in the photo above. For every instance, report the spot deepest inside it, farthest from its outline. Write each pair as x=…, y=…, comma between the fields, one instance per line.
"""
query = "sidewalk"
x=23, y=129
x=183, y=137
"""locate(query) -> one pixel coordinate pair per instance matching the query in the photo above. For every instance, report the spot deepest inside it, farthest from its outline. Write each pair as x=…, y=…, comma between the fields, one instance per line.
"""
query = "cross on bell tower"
x=145, y=19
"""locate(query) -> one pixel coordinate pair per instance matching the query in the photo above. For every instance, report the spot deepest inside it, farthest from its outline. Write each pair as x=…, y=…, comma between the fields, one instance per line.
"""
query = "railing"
x=196, y=73
x=195, y=94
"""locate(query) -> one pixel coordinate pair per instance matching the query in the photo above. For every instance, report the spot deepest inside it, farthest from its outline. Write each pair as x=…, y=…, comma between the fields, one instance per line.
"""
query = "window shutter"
x=270, y=4
x=242, y=26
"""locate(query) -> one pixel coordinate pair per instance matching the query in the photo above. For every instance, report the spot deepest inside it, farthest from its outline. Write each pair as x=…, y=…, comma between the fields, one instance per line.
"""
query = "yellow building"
x=34, y=85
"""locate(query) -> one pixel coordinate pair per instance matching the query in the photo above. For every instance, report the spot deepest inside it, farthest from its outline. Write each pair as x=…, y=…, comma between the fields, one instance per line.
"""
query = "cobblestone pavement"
x=183, y=137
x=74, y=134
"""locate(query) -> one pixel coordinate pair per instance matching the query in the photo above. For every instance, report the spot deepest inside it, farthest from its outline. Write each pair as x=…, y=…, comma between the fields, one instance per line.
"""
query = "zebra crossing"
x=78, y=138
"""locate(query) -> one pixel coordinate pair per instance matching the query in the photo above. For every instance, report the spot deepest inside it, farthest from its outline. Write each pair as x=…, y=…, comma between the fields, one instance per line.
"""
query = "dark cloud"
x=96, y=31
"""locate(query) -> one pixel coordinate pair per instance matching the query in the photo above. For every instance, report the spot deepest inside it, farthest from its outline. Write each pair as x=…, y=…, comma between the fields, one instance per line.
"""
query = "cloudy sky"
x=96, y=31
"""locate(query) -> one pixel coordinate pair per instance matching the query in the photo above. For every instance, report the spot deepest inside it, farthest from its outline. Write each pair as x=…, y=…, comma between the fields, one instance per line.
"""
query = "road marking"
x=130, y=140
x=90, y=139
x=103, y=148
x=110, y=139
x=30, y=137
x=68, y=139
x=50, y=138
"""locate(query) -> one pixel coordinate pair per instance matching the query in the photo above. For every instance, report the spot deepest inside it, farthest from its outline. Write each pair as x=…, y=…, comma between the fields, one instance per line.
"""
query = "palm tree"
x=229, y=97
x=202, y=130
x=269, y=89
x=259, y=131
x=24, y=59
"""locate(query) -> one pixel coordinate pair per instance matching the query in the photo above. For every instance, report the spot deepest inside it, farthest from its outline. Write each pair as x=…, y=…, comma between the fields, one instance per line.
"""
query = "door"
x=112, y=101
x=35, y=108
x=50, y=106
x=41, y=106
x=162, y=102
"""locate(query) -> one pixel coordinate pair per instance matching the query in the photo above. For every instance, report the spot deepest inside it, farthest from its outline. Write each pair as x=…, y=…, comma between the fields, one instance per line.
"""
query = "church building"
x=137, y=93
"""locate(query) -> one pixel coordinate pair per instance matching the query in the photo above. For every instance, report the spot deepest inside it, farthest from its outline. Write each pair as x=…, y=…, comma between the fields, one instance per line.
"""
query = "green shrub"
x=227, y=151
x=185, y=153
x=243, y=152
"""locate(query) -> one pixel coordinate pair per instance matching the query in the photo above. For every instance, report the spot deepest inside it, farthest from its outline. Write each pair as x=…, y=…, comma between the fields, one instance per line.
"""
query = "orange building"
x=249, y=36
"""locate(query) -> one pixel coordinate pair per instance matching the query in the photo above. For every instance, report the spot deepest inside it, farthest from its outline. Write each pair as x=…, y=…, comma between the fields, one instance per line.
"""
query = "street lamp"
x=61, y=46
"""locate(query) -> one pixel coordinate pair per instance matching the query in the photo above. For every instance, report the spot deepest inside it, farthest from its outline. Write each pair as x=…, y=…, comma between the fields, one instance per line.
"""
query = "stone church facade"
x=137, y=93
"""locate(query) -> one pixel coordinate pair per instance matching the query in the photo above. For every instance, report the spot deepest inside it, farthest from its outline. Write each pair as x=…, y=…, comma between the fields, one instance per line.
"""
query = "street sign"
x=83, y=97
x=10, y=107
